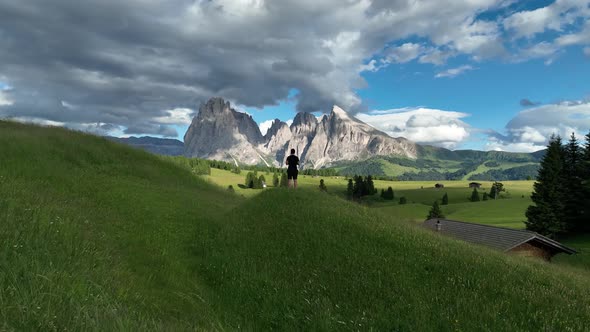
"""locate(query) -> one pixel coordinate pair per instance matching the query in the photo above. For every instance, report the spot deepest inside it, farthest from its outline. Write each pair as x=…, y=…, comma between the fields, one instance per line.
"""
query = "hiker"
x=292, y=162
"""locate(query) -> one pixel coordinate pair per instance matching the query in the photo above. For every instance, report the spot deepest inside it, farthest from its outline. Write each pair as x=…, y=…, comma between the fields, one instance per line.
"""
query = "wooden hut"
x=520, y=242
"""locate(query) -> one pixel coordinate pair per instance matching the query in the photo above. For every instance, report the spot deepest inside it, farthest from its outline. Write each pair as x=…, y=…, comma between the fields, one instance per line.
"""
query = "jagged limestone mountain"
x=220, y=132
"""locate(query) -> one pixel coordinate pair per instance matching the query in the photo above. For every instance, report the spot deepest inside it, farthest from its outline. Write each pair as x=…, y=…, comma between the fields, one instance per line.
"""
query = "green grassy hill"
x=98, y=236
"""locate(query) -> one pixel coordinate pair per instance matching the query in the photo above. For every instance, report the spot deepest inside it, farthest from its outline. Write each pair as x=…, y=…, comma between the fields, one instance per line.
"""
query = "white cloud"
x=530, y=129
x=436, y=57
x=5, y=99
x=552, y=17
x=265, y=126
x=37, y=121
x=421, y=125
x=452, y=72
x=581, y=37
x=177, y=116
x=404, y=53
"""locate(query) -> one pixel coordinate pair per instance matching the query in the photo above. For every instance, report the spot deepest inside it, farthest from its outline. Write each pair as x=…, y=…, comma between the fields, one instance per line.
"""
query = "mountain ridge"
x=220, y=132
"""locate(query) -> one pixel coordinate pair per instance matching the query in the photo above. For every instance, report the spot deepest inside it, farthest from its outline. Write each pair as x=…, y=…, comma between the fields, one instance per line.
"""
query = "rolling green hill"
x=98, y=236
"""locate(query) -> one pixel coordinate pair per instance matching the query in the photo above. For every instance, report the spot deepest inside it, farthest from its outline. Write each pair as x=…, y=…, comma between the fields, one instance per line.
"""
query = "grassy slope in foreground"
x=97, y=236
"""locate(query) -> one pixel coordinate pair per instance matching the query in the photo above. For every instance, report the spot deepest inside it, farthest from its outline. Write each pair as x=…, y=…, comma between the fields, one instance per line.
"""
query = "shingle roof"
x=499, y=238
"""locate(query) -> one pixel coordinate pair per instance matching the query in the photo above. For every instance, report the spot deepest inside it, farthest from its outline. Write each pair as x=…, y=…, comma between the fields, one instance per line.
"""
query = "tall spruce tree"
x=546, y=216
x=574, y=190
x=435, y=211
x=474, y=196
x=445, y=199
x=585, y=175
x=350, y=189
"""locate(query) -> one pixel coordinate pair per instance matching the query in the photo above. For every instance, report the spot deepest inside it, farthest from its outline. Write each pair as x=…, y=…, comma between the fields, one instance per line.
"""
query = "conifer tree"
x=585, y=176
x=435, y=211
x=275, y=180
x=573, y=190
x=390, y=194
x=546, y=216
x=474, y=195
x=485, y=196
x=370, y=186
x=350, y=189
x=445, y=199
x=260, y=182
x=383, y=194
x=323, y=185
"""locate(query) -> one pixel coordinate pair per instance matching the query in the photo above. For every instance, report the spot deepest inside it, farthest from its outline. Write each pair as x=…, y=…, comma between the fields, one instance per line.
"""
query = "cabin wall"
x=529, y=250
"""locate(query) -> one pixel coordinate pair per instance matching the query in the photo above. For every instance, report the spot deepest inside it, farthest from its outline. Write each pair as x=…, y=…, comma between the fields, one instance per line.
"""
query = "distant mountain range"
x=165, y=146
x=334, y=140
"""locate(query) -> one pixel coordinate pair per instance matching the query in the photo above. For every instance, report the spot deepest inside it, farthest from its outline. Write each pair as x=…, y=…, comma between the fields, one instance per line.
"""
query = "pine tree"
x=445, y=199
x=474, y=195
x=261, y=181
x=323, y=185
x=370, y=186
x=350, y=189
x=390, y=193
x=275, y=180
x=359, y=187
x=546, y=216
x=435, y=211
x=493, y=192
x=485, y=196
x=573, y=196
x=383, y=194
x=584, y=225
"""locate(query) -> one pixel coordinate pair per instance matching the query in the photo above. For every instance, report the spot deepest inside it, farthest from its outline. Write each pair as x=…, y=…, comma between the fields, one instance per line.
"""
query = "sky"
x=464, y=74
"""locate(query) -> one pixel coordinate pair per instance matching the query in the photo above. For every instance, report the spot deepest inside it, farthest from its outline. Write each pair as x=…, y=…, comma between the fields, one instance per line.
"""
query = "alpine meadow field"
x=97, y=236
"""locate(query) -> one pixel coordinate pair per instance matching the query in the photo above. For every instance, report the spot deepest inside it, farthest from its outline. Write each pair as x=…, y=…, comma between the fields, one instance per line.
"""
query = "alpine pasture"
x=99, y=236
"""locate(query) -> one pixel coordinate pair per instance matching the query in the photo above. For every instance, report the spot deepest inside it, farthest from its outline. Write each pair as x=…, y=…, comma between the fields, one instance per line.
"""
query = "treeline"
x=516, y=173
x=195, y=165
x=562, y=190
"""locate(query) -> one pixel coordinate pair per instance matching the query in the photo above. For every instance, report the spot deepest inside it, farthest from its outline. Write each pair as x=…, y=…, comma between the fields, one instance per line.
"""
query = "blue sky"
x=479, y=74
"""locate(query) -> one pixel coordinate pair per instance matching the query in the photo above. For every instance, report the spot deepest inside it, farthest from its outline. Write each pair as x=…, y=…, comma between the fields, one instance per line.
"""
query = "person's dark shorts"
x=292, y=174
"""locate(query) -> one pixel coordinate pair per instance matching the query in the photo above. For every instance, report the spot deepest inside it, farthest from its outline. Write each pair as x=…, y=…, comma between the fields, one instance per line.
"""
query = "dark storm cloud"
x=125, y=63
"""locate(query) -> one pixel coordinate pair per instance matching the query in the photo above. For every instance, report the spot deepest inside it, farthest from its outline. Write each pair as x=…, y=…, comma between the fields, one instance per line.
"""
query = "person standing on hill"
x=292, y=163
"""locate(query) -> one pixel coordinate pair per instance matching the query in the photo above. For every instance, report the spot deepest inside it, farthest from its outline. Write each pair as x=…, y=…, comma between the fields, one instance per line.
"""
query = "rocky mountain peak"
x=275, y=127
x=304, y=124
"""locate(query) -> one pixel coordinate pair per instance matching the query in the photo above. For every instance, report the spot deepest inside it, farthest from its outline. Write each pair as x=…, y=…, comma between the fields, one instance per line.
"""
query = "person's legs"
x=295, y=179
x=295, y=184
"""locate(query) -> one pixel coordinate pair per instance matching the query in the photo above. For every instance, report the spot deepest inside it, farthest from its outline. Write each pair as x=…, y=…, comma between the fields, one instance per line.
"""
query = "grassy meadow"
x=96, y=236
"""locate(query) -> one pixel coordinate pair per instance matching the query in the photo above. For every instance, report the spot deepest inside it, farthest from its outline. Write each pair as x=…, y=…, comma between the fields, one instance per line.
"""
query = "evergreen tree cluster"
x=254, y=181
x=561, y=193
x=284, y=180
x=195, y=165
x=363, y=186
x=387, y=194
x=496, y=189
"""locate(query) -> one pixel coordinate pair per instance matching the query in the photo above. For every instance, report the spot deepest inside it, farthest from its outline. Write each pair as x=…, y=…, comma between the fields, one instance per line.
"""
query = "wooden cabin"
x=515, y=241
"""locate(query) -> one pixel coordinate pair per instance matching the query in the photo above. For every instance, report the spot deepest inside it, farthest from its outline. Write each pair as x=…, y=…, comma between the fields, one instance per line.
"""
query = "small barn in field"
x=519, y=242
x=475, y=185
